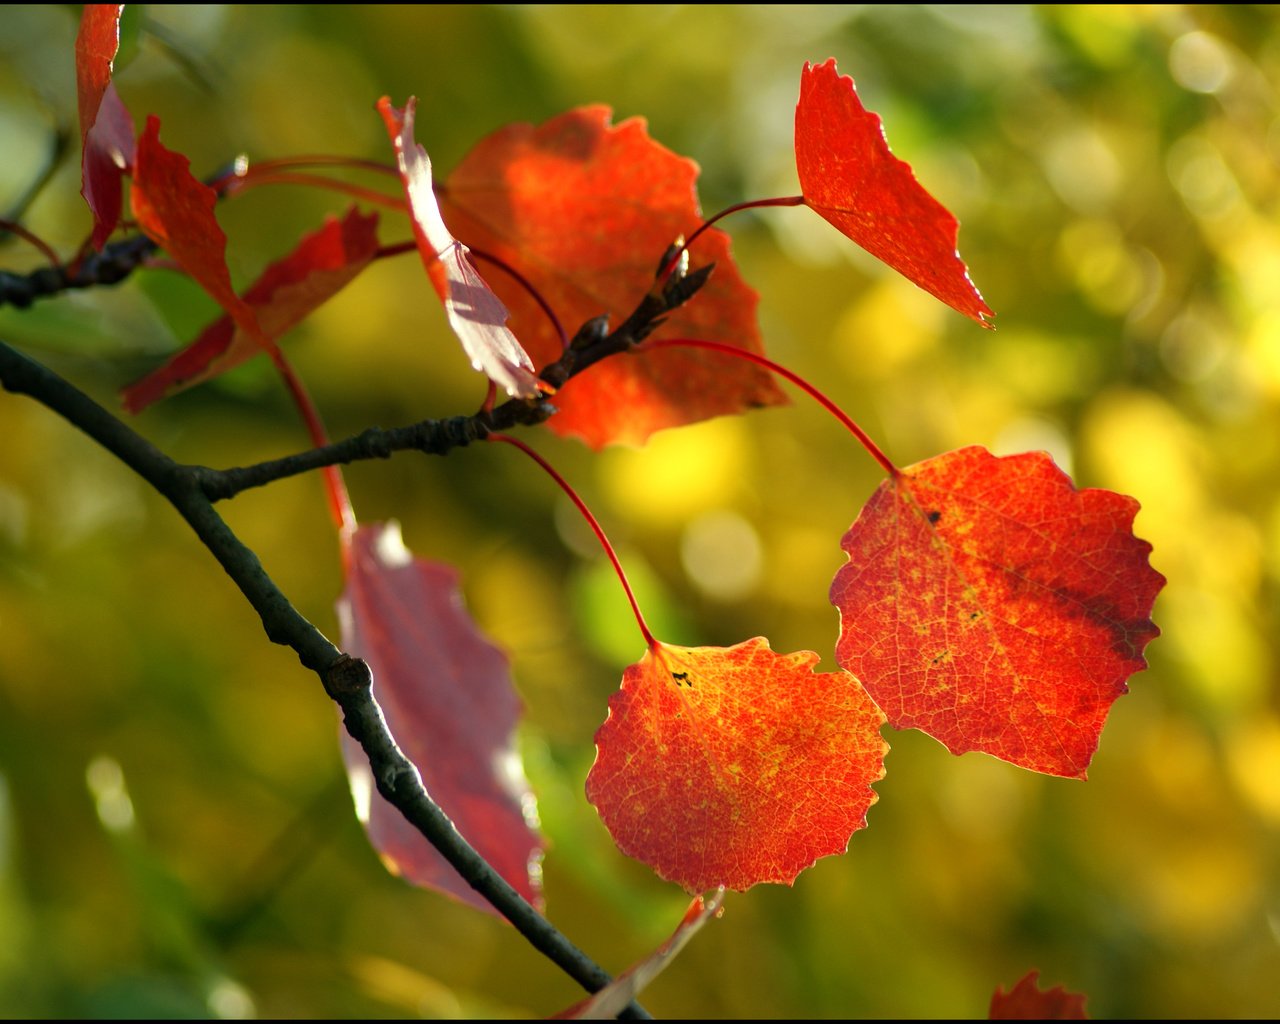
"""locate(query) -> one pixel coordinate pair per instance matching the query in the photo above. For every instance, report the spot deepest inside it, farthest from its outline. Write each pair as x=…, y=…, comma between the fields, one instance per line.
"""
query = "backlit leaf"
x=991, y=604
x=175, y=211
x=475, y=313
x=449, y=702
x=849, y=177
x=288, y=290
x=106, y=128
x=584, y=210
x=1026, y=1001
x=734, y=766
x=96, y=43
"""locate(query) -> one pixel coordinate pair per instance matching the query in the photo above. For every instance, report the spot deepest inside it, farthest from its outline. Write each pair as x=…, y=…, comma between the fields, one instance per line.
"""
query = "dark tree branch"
x=590, y=345
x=347, y=680
x=116, y=262
x=193, y=490
x=434, y=437
x=113, y=264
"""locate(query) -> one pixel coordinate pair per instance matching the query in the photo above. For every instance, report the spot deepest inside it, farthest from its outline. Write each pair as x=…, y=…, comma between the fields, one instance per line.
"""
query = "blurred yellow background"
x=175, y=834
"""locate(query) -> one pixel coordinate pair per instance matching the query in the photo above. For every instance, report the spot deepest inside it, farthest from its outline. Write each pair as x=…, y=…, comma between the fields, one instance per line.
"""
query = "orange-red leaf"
x=584, y=210
x=449, y=702
x=733, y=766
x=615, y=996
x=96, y=43
x=288, y=290
x=106, y=128
x=475, y=313
x=849, y=177
x=175, y=211
x=991, y=604
x=1026, y=1001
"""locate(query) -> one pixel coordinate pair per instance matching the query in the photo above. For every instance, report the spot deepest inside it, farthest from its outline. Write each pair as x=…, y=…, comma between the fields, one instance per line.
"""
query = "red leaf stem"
x=592, y=522
x=794, y=378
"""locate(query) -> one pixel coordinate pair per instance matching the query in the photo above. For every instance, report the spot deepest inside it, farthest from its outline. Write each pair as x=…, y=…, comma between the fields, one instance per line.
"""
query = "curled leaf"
x=106, y=127
x=850, y=178
x=992, y=605
x=175, y=211
x=475, y=313
x=734, y=766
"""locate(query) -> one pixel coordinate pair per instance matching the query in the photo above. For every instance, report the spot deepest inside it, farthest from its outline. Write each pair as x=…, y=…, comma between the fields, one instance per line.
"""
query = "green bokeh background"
x=175, y=834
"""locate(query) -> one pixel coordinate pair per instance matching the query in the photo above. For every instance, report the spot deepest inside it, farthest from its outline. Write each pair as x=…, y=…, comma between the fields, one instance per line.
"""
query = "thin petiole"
x=344, y=517
x=46, y=250
x=593, y=523
x=794, y=378
x=751, y=205
x=237, y=186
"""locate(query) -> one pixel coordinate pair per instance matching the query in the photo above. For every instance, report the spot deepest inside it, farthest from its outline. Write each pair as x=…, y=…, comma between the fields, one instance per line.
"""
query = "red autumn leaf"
x=733, y=766
x=449, y=702
x=849, y=177
x=288, y=290
x=475, y=313
x=618, y=994
x=96, y=45
x=994, y=606
x=1025, y=1001
x=584, y=210
x=106, y=128
x=175, y=211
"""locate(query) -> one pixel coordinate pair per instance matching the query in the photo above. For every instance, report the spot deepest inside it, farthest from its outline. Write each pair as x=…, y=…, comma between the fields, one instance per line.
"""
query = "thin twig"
x=434, y=437
x=592, y=343
x=113, y=264
x=193, y=490
x=347, y=680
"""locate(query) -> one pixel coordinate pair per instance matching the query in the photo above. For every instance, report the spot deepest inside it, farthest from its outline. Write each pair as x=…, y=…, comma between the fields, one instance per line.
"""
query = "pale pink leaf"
x=475, y=313
x=447, y=695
